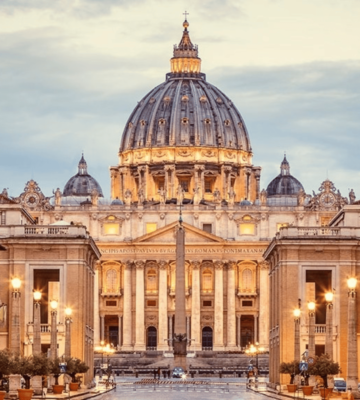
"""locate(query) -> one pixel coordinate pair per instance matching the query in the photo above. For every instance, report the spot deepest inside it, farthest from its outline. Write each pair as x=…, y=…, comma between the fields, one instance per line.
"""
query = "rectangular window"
x=209, y=185
x=111, y=303
x=184, y=182
x=281, y=225
x=151, y=303
x=160, y=183
x=325, y=221
x=207, y=228
x=247, y=303
x=207, y=303
x=111, y=229
x=247, y=229
x=151, y=227
x=3, y=218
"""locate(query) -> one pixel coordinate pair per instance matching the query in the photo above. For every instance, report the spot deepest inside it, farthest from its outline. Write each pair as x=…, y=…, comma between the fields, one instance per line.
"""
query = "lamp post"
x=311, y=308
x=53, y=339
x=68, y=321
x=255, y=350
x=15, y=319
x=329, y=324
x=36, y=320
x=352, y=363
x=297, y=313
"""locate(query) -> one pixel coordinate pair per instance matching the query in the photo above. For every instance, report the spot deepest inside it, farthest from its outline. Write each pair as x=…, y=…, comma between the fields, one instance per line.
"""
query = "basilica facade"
x=185, y=150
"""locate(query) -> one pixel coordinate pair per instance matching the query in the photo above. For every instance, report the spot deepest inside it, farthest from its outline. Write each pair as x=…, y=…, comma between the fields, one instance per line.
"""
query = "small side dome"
x=284, y=184
x=117, y=202
x=82, y=184
x=245, y=202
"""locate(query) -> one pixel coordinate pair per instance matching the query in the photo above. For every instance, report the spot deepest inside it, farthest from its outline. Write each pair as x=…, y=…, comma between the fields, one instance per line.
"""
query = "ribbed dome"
x=82, y=184
x=284, y=184
x=185, y=110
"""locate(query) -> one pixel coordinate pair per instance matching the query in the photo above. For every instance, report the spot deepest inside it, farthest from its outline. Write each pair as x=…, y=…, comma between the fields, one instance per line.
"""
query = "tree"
x=5, y=356
x=29, y=366
x=55, y=369
x=324, y=366
x=291, y=368
x=75, y=366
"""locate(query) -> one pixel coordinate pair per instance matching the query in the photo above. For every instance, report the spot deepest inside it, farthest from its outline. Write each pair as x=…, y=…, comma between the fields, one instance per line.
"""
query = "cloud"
x=310, y=111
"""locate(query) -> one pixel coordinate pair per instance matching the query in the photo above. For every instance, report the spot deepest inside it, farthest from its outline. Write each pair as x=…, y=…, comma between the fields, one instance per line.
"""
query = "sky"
x=72, y=71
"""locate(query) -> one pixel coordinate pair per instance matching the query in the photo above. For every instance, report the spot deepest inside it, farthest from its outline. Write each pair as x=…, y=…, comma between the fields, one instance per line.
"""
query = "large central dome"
x=185, y=110
x=185, y=139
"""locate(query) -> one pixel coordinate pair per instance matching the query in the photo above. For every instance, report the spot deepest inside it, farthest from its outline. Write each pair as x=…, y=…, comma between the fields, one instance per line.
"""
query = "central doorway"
x=151, y=342
x=207, y=338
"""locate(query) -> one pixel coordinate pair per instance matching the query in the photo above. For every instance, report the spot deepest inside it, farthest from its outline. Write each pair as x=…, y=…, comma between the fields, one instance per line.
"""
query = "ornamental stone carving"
x=218, y=264
x=140, y=264
x=162, y=264
x=195, y=265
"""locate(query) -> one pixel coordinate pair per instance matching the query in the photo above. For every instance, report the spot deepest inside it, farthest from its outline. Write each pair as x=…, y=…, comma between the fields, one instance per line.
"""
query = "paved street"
x=226, y=389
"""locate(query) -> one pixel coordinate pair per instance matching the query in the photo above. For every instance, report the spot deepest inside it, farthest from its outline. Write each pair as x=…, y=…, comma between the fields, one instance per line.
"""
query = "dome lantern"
x=185, y=59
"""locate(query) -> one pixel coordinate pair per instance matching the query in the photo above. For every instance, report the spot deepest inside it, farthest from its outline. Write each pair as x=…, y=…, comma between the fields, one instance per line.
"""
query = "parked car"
x=178, y=372
x=339, y=385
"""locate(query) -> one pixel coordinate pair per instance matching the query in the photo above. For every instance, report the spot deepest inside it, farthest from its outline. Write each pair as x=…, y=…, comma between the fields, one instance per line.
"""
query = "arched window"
x=207, y=281
x=151, y=283
x=247, y=283
x=111, y=281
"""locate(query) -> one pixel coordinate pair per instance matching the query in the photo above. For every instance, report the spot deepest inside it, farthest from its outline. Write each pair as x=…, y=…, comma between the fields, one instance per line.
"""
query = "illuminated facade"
x=185, y=144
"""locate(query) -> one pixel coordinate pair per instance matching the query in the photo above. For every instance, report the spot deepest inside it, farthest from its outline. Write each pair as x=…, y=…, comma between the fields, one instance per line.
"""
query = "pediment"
x=167, y=235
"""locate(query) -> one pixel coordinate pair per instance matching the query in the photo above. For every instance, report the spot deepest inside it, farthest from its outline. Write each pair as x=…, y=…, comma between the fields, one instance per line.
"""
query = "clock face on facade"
x=31, y=200
x=327, y=199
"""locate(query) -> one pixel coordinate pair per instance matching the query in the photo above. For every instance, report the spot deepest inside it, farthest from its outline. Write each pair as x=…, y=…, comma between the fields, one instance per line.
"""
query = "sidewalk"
x=78, y=395
x=285, y=395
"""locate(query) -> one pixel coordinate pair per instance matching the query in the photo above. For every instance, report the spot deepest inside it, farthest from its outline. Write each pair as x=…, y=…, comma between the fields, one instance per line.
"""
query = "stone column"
x=170, y=331
x=231, y=318
x=256, y=338
x=297, y=355
x=195, y=306
x=163, y=306
x=264, y=310
x=239, y=331
x=68, y=322
x=96, y=307
x=180, y=340
x=37, y=329
x=312, y=333
x=127, y=313
x=53, y=337
x=102, y=327
x=188, y=335
x=329, y=330
x=120, y=331
x=15, y=345
x=219, y=307
x=352, y=360
x=140, y=307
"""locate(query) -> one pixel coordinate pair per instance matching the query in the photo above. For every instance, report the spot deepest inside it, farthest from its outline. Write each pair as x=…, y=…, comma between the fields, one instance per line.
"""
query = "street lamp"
x=297, y=313
x=53, y=339
x=15, y=320
x=68, y=321
x=36, y=319
x=329, y=296
x=352, y=363
x=255, y=350
x=311, y=308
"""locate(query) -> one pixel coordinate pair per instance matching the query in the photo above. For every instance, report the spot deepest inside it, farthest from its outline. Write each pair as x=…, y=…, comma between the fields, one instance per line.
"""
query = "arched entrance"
x=207, y=338
x=151, y=342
